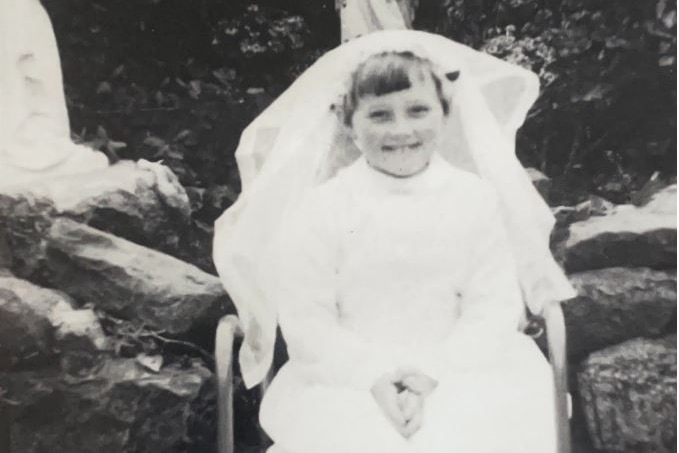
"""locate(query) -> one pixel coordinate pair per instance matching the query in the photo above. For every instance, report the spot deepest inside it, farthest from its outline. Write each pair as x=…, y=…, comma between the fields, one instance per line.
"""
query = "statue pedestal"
x=75, y=159
x=34, y=128
x=360, y=17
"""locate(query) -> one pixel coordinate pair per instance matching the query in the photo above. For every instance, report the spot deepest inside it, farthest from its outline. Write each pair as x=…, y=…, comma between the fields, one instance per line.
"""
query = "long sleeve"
x=491, y=303
x=302, y=282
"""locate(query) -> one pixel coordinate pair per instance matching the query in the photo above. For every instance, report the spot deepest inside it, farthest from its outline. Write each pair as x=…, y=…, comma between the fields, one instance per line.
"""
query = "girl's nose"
x=402, y=128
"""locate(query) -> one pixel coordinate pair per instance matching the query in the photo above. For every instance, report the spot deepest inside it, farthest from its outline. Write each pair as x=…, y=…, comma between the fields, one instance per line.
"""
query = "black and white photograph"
x=338, y=226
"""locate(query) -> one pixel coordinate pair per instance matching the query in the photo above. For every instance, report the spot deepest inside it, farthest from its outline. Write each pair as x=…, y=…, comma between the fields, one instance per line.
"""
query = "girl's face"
x=398, y=132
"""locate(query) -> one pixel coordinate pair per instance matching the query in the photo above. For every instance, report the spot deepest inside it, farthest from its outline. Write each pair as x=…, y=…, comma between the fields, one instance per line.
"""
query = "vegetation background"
x=178, y=81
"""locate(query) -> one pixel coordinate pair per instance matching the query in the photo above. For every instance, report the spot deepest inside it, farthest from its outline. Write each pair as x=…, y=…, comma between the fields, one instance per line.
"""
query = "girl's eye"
x=379, y=115
x=418, y=111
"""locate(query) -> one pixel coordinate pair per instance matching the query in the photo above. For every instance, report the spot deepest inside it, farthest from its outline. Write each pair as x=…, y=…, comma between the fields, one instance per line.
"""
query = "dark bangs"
x=386, y=73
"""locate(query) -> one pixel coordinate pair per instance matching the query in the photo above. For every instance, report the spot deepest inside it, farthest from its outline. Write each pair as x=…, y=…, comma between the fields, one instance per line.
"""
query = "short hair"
x=385, y=73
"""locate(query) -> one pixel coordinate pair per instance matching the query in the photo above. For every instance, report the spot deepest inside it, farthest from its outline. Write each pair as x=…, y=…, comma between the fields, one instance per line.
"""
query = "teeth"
x=396, y=148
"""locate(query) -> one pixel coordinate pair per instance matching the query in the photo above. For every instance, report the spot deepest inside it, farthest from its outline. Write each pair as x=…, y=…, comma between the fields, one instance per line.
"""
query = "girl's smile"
x=398, y=132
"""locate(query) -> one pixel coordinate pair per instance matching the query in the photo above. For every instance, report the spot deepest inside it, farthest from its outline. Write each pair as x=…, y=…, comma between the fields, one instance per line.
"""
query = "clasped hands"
x=401, y=395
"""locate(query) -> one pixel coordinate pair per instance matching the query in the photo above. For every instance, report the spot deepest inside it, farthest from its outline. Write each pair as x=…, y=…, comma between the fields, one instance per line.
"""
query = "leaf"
x=194, y=89
x=175, y=154
x=660, y=8
x=113, y=145
x=117, y=72
x=195, y=85
x=104, y=88
x=101, y=132
x=181, y=135
x=596, y=93
x=155, y=142
x=666, y=61
x=225, y=76
x=150, y=362
x=615, y=43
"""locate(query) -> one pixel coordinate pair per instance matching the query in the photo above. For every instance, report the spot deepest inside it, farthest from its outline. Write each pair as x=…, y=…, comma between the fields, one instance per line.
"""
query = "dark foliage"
x=606, y=119
x=178, y=81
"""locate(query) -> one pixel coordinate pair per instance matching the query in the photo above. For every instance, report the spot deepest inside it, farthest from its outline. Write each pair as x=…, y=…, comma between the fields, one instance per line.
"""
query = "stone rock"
x=656, y=185
x=541, y=182
x=618, y=304
x=593, y=206
x=25, y=220
x=25, y=336
x=142, y=203
x=629, y=396
x=664, y=201
x=634, y=236
x=134, y=282
x=566, y=215
x=37, y=325
x=123, y=407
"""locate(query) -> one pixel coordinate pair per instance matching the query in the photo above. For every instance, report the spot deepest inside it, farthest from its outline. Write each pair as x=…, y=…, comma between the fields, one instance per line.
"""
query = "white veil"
x=298, y=142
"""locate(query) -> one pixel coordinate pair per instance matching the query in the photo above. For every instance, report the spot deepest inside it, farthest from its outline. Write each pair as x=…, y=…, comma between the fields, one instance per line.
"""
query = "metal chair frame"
x=229, y=329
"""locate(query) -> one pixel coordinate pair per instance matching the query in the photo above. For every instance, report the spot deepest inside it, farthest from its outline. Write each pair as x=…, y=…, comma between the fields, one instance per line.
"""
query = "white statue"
x=34, y=130
x=360, y=17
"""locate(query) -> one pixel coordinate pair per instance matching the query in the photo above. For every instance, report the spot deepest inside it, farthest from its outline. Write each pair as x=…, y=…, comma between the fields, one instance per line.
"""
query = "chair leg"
x=227, y=330
x=264, y=439
x=556, y=340
x=5, y=428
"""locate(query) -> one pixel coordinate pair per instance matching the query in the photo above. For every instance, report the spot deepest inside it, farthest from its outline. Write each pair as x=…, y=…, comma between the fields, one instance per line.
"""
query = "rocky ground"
x=109, y=303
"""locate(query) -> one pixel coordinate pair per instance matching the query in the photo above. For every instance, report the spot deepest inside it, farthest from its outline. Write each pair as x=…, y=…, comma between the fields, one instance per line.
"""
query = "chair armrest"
x=227, y=331
x=558, y=357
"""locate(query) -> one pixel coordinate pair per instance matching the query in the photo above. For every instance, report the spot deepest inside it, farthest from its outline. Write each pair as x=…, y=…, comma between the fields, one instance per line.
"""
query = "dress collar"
x=437, y=173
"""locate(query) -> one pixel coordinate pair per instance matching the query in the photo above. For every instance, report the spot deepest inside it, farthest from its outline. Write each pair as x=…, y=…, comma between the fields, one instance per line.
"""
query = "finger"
x=390, y=406
x=402, y=399
x=410, y=404
x=420, y=384
x=414, y=384
x=415, y=423
x=386, y=397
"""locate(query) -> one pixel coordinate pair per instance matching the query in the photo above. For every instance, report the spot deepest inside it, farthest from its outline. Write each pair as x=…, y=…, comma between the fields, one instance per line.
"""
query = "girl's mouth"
x=392, y=148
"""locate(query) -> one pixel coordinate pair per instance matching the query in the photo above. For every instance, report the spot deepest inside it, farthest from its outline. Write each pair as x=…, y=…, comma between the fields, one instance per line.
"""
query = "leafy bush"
x=178, y=81
x=606, y=118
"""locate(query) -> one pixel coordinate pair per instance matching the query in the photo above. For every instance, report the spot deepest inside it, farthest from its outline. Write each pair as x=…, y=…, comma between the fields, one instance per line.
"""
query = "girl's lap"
x=503, y=408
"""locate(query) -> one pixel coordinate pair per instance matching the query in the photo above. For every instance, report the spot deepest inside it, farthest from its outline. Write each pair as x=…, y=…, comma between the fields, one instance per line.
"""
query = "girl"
x=395, y=277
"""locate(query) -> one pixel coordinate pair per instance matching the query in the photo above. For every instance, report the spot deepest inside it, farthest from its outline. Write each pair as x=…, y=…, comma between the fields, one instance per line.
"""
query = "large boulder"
x=123, y=407
x=618, y=304
x=142, y=202
x=638, y=236
x=39, y=325
x=134, y=282
x=629, y=396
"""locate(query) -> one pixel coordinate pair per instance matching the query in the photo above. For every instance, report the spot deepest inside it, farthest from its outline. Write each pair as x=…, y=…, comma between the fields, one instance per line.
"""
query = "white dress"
x=374, y=273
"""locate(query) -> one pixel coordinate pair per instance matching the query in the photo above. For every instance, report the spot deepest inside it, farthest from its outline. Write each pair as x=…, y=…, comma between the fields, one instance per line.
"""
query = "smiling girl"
x=398, y=295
